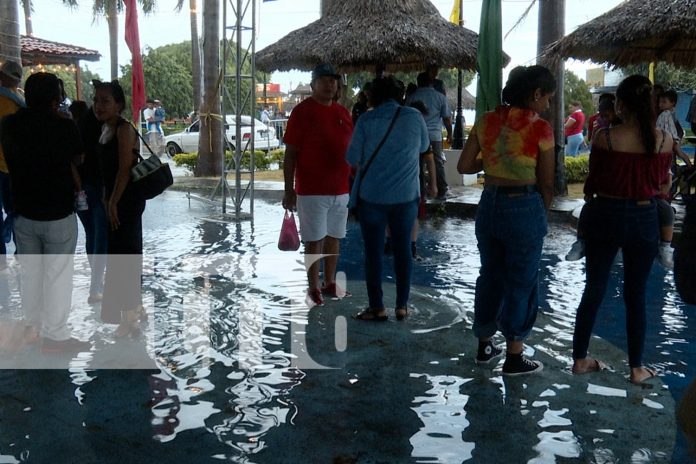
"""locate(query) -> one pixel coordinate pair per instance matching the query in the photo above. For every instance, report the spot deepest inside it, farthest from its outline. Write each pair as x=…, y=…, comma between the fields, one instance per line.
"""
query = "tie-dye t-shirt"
x=511, y=139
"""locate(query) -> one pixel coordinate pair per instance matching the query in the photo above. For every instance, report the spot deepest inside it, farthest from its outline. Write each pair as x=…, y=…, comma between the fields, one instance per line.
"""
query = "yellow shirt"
x=7, y=106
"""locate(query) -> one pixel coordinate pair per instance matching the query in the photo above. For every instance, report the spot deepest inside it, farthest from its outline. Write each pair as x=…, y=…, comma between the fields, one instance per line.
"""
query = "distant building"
x=270, y=94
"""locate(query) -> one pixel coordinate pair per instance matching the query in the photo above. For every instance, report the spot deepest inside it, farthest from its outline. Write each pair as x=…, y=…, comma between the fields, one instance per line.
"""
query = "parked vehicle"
x=186, y=141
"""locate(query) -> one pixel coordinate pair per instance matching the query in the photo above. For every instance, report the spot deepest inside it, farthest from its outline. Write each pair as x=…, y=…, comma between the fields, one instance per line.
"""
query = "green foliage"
x=670, y=77
x=262, y=160
x=448, y=77
x=166, y=80
x=574, y=89
x=577, y=168
x=168, y=77
x=277, y=156
x=188, y=160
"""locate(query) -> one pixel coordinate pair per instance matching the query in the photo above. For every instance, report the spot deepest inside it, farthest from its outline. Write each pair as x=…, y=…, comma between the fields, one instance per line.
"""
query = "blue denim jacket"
x=393, y=175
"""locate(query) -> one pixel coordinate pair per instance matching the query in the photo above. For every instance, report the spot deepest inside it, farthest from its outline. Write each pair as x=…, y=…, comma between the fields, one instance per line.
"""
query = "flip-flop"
x=596, y=367
x=652, y=372
x=369, y=314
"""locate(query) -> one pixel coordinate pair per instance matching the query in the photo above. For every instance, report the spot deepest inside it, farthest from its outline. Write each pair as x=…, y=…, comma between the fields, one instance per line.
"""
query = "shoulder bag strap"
x=363, y=171
x=143, y=140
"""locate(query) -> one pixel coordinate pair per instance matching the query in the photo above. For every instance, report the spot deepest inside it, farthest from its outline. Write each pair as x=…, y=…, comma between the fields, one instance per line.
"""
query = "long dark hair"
x=635, y=92
x=383, y=89
x=523, y=81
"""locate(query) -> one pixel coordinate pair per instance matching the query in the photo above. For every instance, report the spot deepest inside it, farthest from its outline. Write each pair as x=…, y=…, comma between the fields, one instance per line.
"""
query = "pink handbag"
x=289, y=239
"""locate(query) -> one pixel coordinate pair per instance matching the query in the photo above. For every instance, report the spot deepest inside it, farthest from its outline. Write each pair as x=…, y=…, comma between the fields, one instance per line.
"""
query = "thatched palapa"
x=636, y=31
x=402, y=35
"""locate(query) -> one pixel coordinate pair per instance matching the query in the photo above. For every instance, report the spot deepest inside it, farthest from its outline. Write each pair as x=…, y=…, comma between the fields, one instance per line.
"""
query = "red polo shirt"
x=321, y=135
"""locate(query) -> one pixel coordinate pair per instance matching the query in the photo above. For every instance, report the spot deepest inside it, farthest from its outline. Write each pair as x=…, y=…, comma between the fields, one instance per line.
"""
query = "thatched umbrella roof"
x=468, y=100
x=636, y=31
x=403, y=35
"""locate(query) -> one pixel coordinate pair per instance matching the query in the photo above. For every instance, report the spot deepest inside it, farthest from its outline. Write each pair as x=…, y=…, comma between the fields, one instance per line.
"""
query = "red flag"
x=133, y=42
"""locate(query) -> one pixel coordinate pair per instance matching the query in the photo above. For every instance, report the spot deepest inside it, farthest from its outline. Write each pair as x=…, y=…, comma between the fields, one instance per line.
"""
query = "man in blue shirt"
x=438, y=112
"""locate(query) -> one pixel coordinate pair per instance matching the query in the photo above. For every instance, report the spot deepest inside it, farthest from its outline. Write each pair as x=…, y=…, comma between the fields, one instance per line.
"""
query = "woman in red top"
x=628, y=165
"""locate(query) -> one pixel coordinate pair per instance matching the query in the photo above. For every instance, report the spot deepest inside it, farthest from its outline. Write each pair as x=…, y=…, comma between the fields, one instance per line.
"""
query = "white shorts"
x=321, y=216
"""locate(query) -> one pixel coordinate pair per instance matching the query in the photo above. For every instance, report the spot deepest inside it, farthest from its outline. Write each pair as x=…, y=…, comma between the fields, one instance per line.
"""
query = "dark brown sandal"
x=369, y=314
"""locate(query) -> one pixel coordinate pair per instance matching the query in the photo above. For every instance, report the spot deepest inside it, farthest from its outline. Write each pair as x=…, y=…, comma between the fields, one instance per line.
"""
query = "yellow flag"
x=454, y=16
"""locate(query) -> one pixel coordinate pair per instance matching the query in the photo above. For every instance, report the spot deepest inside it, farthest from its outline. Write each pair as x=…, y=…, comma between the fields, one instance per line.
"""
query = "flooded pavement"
x=234, y=367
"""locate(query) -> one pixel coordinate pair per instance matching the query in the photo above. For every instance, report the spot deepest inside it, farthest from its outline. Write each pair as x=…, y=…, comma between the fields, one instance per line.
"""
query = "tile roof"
x=40, y=51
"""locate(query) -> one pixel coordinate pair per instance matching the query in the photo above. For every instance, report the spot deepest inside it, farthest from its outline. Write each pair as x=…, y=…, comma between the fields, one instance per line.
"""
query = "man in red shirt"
x=316, y=178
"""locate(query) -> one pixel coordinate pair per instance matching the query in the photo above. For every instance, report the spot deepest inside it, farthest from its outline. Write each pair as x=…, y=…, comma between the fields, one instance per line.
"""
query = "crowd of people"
x=380, y=148
x=378, y=162
x=80, y=167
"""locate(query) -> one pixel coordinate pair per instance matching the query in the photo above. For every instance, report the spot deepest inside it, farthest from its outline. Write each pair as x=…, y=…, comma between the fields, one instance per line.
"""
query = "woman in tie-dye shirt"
x=514, y=147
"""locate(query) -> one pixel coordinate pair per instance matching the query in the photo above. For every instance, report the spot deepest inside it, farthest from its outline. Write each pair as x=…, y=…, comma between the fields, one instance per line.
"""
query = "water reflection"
x=228, y=310
x=443, y=413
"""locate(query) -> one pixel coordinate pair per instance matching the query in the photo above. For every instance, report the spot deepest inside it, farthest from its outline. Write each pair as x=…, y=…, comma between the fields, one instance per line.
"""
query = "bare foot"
x=587, y=365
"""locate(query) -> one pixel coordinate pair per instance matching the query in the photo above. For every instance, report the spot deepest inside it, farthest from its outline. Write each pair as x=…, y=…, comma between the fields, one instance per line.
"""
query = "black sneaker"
x=519, y=365
x=487, y=353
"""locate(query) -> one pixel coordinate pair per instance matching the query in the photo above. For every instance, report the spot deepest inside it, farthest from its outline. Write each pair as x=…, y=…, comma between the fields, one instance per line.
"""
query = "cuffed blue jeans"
x=96, y=228
x=510, y=230
x=612, y=224
x=374, y=218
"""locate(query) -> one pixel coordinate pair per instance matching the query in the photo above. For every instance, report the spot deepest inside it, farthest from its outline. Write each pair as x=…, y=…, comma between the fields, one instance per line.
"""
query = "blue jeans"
x=96, y=228
x=510, y=230
x=374, y=219
x=610, y=225
x=573, y=145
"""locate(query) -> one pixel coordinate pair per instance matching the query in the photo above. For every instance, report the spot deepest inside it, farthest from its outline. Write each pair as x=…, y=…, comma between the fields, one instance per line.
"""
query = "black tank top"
x=131, y=202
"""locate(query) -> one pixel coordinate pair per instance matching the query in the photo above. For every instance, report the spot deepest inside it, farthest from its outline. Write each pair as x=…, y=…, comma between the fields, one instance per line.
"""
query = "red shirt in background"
x=321, y=135
x=576, y=128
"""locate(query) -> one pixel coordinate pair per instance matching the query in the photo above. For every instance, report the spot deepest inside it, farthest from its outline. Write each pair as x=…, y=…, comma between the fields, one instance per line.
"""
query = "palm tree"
x=28, y=9
x=195, y=51
x=9, y=39
x=111, y=9
x=210, y=141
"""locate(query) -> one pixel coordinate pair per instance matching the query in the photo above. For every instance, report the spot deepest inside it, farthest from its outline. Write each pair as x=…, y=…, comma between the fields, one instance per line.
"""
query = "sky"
x=54, y=21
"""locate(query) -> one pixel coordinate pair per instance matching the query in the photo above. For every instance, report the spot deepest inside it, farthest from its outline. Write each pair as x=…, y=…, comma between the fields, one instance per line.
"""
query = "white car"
x=186, y=141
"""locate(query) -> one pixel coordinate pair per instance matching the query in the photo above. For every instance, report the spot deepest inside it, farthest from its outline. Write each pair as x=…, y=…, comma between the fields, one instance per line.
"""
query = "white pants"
x=46, y=251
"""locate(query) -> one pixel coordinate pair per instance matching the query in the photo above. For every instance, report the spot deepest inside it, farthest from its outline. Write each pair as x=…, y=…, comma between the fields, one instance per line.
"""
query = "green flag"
x=489, y=60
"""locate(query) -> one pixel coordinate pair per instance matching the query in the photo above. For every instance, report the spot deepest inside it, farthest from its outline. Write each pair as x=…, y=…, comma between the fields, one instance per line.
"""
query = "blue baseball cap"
x=324, y=69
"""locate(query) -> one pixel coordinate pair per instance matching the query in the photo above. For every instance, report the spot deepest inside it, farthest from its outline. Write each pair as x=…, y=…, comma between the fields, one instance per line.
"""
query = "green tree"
x=448, y=77
x=166, y=79
x=86, y=77
x=670, y=77
x=576, y=89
